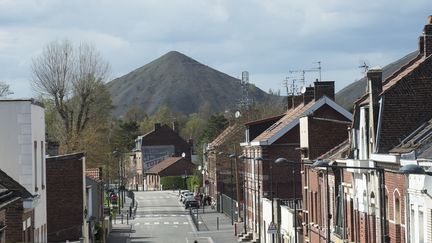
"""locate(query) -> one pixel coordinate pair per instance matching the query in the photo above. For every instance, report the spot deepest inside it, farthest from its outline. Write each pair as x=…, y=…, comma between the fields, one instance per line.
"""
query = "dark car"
x=192, y=204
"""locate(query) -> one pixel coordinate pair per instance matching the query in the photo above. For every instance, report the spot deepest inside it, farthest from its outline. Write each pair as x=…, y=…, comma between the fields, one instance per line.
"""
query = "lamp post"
x=243, y=157
x=280, y=161
x=411, y=169
x=327, y=166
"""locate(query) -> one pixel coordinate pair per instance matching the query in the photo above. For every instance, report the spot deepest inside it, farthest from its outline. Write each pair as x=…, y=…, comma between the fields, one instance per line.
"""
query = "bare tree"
x=72, y=79
x=4, y=90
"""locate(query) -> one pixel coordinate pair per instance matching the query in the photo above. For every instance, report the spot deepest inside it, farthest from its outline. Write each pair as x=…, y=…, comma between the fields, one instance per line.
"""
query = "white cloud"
x=265, y=37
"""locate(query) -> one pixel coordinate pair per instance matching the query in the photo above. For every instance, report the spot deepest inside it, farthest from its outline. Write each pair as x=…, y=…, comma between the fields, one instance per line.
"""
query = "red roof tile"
x=156, y=169
x=289, y=116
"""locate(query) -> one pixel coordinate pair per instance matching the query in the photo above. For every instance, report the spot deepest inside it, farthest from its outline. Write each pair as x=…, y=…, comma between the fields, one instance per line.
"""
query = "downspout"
x=380, y=114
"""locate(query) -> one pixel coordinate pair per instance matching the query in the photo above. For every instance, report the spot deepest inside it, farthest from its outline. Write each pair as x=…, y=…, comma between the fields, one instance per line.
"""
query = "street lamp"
x=322, y=164
x=243, y=157
x=318, y=164
x=280, y=161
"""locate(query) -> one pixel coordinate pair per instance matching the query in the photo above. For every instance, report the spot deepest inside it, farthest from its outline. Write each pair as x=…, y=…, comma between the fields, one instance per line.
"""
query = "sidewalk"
x=215, y=225
x=121, y=232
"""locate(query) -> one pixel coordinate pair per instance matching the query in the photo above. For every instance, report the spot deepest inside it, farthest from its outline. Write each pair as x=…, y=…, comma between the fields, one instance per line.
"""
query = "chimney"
x=157, y=126
x=308, y=95
x=297, y=100
x=326, y=88
x=289, y=101
x=175, y=126
x=421, y=45
x=427, y=33
x=374, y=76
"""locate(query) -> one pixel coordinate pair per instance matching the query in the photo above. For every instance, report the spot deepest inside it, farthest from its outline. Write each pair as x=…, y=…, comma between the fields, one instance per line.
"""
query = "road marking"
x=199, y=222
x=136, y=224
x=173, y=215
x=166, y=222
x=156, y=222
x=176, y=223
x=147, y=223
x=185, y=222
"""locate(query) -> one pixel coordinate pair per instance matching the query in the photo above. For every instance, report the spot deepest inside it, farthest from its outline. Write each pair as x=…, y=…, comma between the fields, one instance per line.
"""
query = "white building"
x=22, y=154
x=416, y=149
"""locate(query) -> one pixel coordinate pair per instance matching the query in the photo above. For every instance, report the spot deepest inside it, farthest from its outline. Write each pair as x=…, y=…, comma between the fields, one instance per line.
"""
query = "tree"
x=124, y=135
x=72, y=79
x=5, y=90
x=215, y=125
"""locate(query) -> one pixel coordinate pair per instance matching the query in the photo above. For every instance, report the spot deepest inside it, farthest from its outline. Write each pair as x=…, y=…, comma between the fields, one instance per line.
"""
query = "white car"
x=186, y=196
x=183, y=194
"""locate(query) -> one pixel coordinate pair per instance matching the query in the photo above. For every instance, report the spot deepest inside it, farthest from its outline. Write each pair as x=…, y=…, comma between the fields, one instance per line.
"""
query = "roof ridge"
x=401, y=69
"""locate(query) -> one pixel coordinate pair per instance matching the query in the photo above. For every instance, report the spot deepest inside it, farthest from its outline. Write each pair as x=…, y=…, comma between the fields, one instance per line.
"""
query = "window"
x=35, y=164
x=42, y=165
x=397, y=211
x=420, y=225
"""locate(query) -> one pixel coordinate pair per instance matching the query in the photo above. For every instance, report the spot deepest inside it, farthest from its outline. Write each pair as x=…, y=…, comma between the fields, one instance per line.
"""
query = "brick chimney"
x=294, y=101
x=374, y=76
x=308, y=95
x=157, y=126
x=326, y=88
x=297, y=100
x=289, y=101
x=427, y=33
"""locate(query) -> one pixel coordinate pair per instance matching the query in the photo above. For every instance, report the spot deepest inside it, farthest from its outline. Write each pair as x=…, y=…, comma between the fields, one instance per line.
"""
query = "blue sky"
x=267, y=38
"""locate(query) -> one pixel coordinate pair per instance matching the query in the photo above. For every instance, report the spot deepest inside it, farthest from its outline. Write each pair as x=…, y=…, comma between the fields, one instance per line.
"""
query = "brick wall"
x=395, y=184
x=14, y=221
x=64, y=198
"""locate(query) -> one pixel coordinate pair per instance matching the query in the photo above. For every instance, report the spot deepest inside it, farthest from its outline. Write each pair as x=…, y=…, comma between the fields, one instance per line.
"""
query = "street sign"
x=272, y=229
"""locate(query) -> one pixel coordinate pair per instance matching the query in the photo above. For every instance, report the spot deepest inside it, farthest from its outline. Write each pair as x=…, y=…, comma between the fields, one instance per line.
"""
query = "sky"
x=267, y=38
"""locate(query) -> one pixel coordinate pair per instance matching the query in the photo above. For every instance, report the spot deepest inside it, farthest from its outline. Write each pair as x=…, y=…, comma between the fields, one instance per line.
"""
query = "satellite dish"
x=303, y=90
x=237, y=114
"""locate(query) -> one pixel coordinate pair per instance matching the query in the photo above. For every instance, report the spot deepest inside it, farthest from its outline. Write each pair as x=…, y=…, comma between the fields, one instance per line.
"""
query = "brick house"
x=319, y=136
x=219, y=166
x=171, y=166
x=416, y=148
x=282, y=139
x=66, y=198
x=16, y=218
x=159, y=144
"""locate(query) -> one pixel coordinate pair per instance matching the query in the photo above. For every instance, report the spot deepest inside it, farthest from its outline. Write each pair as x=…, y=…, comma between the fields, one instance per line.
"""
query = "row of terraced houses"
x=319, y=173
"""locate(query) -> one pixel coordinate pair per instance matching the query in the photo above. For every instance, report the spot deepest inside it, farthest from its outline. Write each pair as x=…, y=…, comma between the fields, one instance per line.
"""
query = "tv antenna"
x=304, y=71
x=364, y=66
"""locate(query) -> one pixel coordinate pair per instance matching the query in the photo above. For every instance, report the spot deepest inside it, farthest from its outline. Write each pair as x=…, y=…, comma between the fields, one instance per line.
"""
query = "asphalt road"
x=160, y=217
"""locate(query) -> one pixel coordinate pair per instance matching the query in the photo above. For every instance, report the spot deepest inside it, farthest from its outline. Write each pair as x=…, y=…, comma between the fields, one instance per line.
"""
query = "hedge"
x=177, y=182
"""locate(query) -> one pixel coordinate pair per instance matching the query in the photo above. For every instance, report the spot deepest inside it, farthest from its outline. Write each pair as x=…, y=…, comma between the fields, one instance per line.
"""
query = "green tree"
x=215, y=125
x=124, y=135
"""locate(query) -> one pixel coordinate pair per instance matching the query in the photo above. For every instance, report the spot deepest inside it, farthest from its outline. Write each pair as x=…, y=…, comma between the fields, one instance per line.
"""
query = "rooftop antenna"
x=304, y=71
x=364, y=66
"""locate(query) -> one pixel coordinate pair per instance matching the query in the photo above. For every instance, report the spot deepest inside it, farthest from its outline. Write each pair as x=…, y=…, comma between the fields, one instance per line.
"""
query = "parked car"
x=188, y=197
x=191, y=204
x=185, y=196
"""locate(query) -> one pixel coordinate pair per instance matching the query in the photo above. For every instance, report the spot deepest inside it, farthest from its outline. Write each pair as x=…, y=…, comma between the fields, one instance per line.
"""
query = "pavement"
x=159, y=216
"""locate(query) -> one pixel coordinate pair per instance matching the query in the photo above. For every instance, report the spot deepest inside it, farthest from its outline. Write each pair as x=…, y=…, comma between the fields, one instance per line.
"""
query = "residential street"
x=160, y=217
